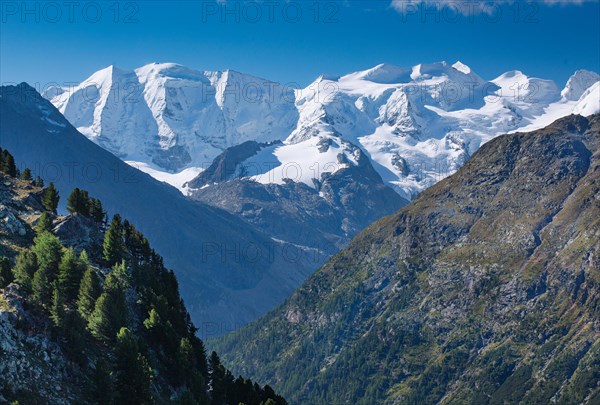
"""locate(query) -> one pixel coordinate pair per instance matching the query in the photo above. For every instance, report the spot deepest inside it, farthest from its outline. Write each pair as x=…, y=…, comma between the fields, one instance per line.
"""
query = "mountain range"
x=483, y=290
x=230, y=273
x=416, y=125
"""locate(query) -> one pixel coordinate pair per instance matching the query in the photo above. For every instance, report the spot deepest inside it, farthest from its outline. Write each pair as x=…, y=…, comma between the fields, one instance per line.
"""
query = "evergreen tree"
x=96, y=212
x=113, y=246
x=57, y=310
x=6, y=276
x=8, y=164
x=101, y=390
x=26, y=175
x=79, y=202
x=154, y=325
x=50, y=198
x=25, y=268
x=38, y=182
x=133, y=373
x=41, y=287
x=48, y=251
x=44, y=223
x=217, y=380
x=110, y=310
x=70, y=272
x=89, y=291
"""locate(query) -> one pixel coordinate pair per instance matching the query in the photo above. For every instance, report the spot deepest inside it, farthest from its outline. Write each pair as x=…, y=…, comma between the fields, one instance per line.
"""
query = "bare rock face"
x=28, y=357
x=10, y=222
x=323, y=217
x=77, y=231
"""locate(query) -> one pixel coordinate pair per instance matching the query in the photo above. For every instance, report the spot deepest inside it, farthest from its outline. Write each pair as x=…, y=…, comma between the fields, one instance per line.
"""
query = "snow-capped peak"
x=461, y=67
x=384, y=73
x=416, y=124
x=578, y=83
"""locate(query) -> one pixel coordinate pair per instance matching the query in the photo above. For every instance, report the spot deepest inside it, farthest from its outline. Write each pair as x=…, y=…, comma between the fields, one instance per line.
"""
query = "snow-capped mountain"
x=416, y=124
x=230, y=273
x=172, y=117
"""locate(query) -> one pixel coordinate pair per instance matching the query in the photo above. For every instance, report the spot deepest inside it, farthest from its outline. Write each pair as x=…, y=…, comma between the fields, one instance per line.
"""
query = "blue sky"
x=294, y=41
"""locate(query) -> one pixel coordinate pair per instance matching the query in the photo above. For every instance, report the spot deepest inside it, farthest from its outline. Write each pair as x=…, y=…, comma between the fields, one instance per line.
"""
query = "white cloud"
x=470, y=7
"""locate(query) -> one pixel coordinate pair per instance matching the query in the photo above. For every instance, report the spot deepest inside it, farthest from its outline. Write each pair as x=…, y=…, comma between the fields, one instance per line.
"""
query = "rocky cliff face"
x=323, y=217
x=483, y=290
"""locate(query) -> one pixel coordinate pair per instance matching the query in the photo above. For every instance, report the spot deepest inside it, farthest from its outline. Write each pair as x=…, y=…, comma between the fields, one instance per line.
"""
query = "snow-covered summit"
x=577, y=84
x=416, y=124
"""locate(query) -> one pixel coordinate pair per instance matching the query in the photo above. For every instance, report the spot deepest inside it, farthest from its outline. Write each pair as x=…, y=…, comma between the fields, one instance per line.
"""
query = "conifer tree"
x=44, y=223
x=217, y=380
x=101, y=390
x=8, y=164
x=57, y=310
x=113, y=246
x=41, y=287
x=96, y=212
x=38, y=182
x=89, y=291
x=70, y=272
x=78, y=202
x=25, y=268
x=50, y=198
x=26, y=174
x=48, y=251
x=133, y=373
x=6, y=276
x=110, y=310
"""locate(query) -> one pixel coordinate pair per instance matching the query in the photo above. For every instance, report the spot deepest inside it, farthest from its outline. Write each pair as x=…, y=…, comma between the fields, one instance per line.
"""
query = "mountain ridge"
x=483, y=290
x=431, y=116
x=216, y=255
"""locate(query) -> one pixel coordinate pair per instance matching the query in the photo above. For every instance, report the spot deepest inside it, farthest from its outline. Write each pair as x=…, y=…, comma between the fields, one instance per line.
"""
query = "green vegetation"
x=121, y=323
x=7, y=163
x=80, y=202
x=26, y=174
x=483, y=290
x=50, y=198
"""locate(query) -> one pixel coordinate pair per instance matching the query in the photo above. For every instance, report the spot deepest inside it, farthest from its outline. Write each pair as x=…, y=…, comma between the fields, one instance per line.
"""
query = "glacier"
x=416, y=124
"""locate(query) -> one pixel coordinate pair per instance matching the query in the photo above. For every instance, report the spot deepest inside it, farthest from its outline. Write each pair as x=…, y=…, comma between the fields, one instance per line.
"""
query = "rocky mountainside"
x=485, y=289
x=77, y=328
x=415, y=124
x=322, y=218
x=230, y=272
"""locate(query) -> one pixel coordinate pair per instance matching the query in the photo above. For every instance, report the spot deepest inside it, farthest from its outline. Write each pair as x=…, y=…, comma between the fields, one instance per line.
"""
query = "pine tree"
x=110, y=314
x=57, y=310
x=70, y=272
x=26, y=175
x=101, y=390
x=44, y=223
x=50, y=198
x=133, y=373
x=48, y=251
x=79, y=202
x=41, y=287
x=89, y=291
x=96, y=212
x=25, y=268
x=113, y=246
x=38, y=182
x=6, y=276
x=8, y=164
x=217, y=380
